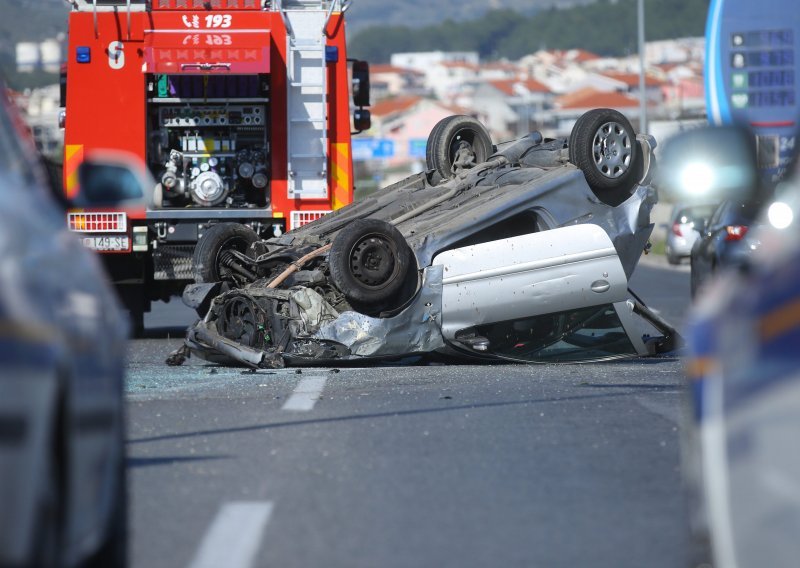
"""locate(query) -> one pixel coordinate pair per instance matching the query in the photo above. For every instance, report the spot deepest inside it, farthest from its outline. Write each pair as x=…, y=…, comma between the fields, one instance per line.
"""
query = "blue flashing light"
x=331, y=54
x=83, y=54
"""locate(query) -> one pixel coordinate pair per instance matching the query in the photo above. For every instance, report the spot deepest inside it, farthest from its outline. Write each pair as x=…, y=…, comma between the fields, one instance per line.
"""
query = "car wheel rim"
x=373, y=261
x=612, y=149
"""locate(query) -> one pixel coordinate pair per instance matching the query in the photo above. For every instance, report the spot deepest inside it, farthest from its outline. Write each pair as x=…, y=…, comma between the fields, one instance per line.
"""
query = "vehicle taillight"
x=735, y=232
x=97, y=222
x=676, y=229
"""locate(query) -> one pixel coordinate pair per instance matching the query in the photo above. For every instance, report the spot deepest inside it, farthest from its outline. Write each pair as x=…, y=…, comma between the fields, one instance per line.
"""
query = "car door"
x=530, y=278
x=62, y=289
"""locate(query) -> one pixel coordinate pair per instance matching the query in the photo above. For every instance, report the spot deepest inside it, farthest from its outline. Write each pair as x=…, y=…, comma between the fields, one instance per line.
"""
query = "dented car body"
x=514, y=258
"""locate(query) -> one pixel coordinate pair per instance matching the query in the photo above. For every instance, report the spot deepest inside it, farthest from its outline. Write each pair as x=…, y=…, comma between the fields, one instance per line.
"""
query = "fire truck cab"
x=241, y=111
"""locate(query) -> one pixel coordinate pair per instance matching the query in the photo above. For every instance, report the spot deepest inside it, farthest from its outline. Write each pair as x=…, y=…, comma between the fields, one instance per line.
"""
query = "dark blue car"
x=724, y=241
x=62, y=360
x=741, y=462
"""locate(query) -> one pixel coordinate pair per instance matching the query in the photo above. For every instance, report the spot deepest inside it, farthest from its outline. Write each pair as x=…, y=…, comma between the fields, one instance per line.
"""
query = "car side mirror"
x=362, y=120
x=360, y=83
x=710, y=164
x=110, y=181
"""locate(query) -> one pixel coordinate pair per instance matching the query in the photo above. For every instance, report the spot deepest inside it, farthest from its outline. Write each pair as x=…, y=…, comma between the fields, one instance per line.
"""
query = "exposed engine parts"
x=210, y=155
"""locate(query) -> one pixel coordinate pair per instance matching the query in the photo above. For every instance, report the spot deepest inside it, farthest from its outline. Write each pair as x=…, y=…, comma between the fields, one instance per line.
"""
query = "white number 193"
x=218, y=21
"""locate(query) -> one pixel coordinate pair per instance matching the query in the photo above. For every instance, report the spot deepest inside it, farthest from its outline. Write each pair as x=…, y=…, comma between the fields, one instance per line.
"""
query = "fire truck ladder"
x=307, y=102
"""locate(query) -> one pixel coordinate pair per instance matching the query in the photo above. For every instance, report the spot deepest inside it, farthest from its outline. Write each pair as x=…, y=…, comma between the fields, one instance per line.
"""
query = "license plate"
x=115, y=243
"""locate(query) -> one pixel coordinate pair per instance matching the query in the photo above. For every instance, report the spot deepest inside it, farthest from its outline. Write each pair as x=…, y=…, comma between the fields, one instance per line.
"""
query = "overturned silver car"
x=520, y=251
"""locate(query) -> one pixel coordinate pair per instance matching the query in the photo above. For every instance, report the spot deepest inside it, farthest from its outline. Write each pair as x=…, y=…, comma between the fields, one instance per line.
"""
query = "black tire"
x=603, y=145
x=207, y=260
x=445, y=141
x=671, y=258
x=134, y=298
x=136, y=318
x=369, y=263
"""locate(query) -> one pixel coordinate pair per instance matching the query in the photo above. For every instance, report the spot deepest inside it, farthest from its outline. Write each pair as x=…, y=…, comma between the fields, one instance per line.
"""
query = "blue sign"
x=416, y=147
x=372, y=148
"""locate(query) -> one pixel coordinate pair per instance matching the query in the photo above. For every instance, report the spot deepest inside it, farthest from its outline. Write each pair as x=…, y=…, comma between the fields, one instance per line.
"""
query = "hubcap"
x=372, y=261
x=612, y=149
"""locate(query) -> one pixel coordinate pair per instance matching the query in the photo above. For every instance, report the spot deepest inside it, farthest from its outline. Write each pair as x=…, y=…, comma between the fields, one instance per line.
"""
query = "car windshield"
x=694, y=214
x=740, y=213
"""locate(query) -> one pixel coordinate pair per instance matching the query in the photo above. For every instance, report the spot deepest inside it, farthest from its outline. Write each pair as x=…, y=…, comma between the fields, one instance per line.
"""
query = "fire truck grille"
x=97, y=222
x=173, y=262
x=300, y=218
x=204, y=4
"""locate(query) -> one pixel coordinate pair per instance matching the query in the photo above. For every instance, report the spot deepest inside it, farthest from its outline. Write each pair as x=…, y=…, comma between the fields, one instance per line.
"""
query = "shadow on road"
x=169, y=460
x=634, y=389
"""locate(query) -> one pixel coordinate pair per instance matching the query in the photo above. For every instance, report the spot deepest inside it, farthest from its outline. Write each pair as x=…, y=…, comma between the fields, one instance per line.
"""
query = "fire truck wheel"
x=603, y=145
x=457, y=143
x=369, y=263
x=208, y=261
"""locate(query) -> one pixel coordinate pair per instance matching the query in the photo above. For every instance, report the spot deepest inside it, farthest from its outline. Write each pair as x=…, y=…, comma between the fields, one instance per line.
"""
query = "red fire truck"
x=239, y=108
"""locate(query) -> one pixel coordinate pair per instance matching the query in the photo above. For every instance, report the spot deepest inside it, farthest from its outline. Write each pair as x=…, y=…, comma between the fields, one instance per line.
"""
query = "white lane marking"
x=305, y=395
x=233, y=538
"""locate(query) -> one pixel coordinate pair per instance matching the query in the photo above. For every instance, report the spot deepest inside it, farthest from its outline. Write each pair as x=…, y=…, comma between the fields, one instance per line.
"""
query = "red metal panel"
x=239, y=52
x=206, y=5
x=106, y=96
x=340, y=179
x=221, y=22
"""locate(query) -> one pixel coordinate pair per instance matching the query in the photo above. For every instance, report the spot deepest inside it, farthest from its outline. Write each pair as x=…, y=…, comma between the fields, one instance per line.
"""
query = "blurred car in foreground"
x=518, y=252
x=724, y=241
x=740, y=435
x=682, y=230
x=62, y=352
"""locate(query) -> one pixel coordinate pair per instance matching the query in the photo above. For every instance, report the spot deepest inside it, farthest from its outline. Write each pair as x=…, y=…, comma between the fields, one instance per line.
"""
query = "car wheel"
x=134, y=298
x=671, y=258
x=603, y=145
x=209, y=261
x=369, y=263
x=457, y=143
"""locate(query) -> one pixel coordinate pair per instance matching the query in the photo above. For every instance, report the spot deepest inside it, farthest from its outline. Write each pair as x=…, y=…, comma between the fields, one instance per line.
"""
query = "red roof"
x=592, y=98
x=386, y=68
x=532, y=85
x=500, y=65
x=577, y=55
x=507, y=86
x=393, y=105
x=632, y=79
x=460, y=65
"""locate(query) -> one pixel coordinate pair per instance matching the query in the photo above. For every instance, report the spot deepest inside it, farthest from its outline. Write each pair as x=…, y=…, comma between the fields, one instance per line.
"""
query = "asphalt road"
x=503, y=465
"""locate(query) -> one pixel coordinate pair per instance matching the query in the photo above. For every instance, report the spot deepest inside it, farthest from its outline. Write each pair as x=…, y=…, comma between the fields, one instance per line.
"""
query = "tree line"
x=606, y=27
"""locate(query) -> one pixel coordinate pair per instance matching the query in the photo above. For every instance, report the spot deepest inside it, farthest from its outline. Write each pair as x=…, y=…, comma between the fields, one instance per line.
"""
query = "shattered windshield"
x=593, y=333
